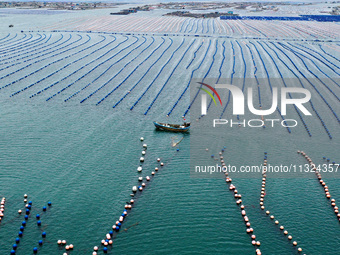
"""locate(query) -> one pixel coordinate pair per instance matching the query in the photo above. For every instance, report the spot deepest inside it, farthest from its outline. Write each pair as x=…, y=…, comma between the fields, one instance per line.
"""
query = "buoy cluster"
x=238, y=198
x=2, y=208
x=328, y=160
x=28, y=206
x=108, y=239
x=271, y=216
x=68, y=247
x=322, y=182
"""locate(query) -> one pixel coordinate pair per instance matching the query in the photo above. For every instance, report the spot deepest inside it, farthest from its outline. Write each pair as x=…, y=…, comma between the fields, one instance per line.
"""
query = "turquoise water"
x=83, y=158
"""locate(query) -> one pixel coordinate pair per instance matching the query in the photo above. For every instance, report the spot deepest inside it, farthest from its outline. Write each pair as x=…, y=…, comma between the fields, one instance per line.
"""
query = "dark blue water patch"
x=321, y=18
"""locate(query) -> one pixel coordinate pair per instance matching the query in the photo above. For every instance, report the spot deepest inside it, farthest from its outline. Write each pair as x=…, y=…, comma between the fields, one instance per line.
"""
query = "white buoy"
x=134, y=188
x=143, y=152
x=142, y=139
x=158, y=160
x=145, y=145
x=139, y=169
x=141, y=159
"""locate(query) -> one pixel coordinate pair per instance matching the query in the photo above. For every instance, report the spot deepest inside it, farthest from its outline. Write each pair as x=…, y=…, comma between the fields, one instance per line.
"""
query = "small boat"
x=172, y=127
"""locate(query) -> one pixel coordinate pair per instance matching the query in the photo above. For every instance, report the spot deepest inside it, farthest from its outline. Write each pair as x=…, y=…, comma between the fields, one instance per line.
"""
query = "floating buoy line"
x=239, y=202
x=271, y=216
x=328, y=160
x=2, y=208
x=107, y=241
x=27, y=215
x=322, y=182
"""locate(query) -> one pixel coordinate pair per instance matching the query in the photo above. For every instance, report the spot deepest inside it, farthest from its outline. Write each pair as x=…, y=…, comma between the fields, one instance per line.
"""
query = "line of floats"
x=107, y=241
x=49, y=57
x=268, y=77
x=41, y=53
x=271, y=216
x=282, y=229
x=263, y=64
x=284, y=63
x=77, y=70
x=322, y=182
x=27, y=215
x=283, y=49
x=239, y=202
x=23, y=44
x=61, y=68
x=26, y=52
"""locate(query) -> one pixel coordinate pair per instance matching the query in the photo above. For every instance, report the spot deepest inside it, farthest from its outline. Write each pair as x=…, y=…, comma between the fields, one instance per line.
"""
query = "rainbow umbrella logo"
x=209, y=93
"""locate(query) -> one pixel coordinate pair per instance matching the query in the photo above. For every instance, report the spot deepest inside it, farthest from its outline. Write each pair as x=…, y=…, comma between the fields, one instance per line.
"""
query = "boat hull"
x=161, y=126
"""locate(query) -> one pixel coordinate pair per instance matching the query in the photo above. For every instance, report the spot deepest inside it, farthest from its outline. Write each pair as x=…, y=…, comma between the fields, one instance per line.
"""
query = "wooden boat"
x=172, y=127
